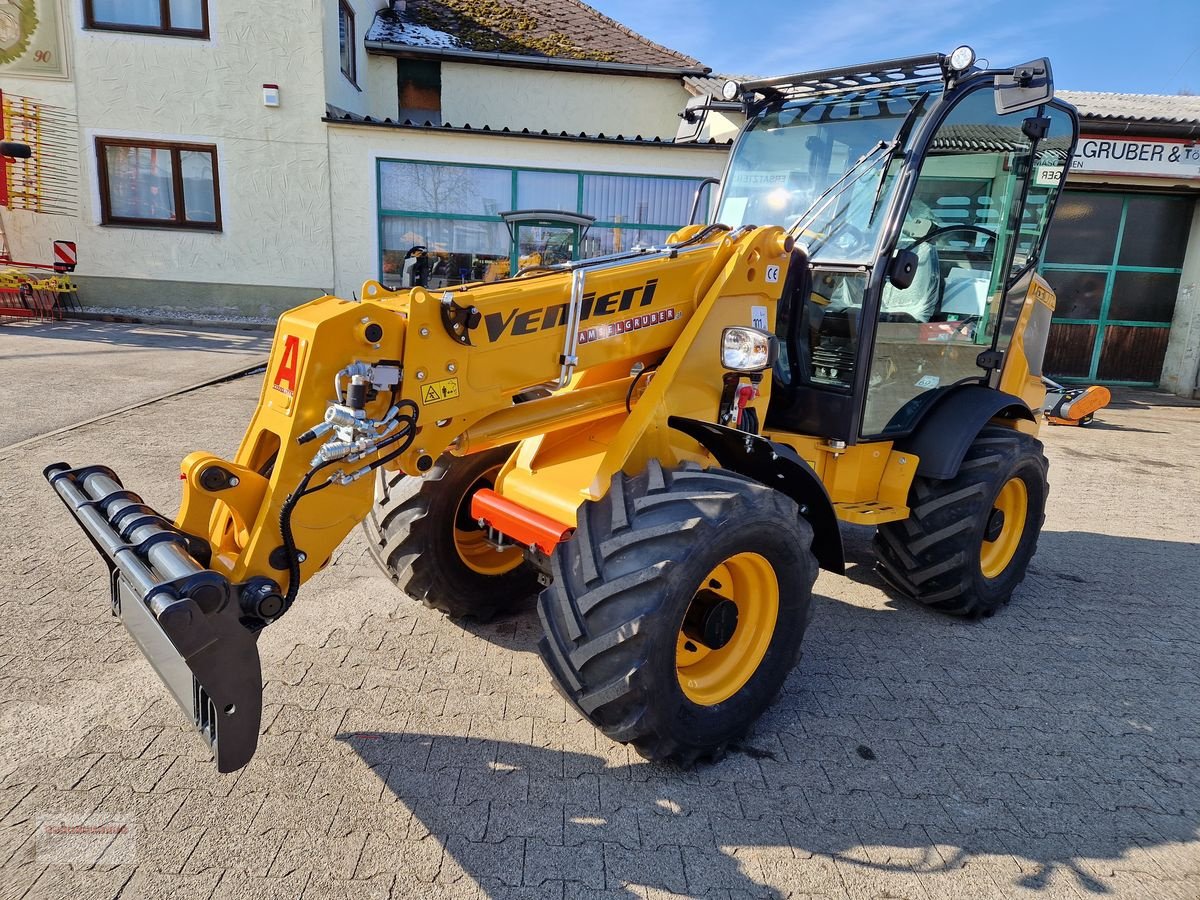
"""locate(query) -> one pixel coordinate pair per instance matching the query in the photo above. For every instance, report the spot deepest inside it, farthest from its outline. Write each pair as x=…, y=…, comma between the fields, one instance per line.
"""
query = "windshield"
x=791, y=167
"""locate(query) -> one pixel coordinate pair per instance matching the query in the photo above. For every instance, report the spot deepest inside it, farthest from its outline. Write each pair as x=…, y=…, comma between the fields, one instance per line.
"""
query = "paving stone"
x=1052, y=751
x=583, y=865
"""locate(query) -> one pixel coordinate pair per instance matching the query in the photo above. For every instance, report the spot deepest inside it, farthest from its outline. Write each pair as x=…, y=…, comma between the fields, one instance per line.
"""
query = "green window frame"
x=1110, y=271
x=385, y=212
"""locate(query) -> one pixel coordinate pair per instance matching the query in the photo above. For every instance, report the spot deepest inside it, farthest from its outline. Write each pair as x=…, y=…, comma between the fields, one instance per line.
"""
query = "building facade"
x=233, y=156
x=230, y=156
x=1123, y=254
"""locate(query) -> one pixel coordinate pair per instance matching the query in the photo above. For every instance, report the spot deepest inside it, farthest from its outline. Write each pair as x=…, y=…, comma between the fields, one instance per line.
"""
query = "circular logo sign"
x=18, y=21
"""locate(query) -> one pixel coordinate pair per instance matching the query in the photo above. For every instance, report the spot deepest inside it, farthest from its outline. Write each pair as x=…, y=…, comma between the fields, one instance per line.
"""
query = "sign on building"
x=31, y=39
x=1156, y=157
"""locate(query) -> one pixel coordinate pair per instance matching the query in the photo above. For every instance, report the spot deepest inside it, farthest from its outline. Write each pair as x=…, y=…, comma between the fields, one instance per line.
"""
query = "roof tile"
x=563, y=29
x=1158, y=108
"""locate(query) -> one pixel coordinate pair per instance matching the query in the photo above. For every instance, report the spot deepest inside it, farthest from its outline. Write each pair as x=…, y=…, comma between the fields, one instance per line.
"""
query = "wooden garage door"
x=1114, y=261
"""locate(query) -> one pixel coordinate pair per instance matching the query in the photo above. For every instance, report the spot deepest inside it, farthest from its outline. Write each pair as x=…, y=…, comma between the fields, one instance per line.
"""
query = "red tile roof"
x=545, y=29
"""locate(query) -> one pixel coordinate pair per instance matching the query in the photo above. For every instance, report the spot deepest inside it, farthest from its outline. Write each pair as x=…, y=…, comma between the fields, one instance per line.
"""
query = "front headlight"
x=747, y=349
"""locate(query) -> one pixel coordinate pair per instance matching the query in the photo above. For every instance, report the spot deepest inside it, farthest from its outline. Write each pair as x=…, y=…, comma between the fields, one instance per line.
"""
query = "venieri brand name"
x=526, y=321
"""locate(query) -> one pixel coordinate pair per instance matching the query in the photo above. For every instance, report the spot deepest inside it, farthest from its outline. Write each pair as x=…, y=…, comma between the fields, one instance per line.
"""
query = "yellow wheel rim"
x=708, y=676
x=471, y=543
x=1012, y=503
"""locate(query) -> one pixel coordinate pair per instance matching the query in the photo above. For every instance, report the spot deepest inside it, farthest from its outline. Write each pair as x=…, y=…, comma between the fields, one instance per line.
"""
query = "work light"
x=962, y=58
x=747, y=349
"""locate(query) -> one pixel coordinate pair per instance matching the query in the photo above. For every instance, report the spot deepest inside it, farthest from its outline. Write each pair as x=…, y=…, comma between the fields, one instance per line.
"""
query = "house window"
x=185, y=18
x=452, y=211
x=158, y=184
x=346, y=41
x=420, y=90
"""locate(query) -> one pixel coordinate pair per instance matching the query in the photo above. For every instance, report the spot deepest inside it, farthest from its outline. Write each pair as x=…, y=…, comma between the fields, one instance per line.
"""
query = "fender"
x=949, y=425
x=777, y=466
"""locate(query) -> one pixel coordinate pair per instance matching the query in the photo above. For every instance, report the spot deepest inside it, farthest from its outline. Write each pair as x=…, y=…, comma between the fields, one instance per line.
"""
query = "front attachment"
x=196, y=628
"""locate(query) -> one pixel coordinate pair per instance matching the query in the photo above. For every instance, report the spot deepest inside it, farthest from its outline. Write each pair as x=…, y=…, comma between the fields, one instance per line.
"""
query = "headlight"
x=730, y=90
x=747, y=349
x=961, y=58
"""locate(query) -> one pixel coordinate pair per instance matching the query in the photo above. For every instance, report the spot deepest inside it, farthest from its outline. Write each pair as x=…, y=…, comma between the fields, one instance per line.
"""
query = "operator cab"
x=918, y=194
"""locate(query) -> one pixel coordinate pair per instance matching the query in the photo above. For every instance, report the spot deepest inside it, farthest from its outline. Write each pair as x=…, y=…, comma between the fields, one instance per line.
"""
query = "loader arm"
x=394, y=379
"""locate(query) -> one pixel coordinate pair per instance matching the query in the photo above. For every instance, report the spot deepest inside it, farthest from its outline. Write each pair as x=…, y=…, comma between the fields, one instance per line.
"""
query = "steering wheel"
x=847, y=238
x=938, y=232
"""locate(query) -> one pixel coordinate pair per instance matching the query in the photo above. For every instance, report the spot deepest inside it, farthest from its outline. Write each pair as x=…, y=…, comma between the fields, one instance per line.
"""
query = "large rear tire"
x=968, y=541
x=678, y=607
x=421, y=533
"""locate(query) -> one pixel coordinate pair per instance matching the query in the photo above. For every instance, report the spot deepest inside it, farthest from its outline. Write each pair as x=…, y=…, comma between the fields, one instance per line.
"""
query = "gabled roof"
x=545, y=31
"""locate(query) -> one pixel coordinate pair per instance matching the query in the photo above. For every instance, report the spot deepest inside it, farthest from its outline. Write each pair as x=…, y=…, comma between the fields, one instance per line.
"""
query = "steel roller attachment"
x=196, y=628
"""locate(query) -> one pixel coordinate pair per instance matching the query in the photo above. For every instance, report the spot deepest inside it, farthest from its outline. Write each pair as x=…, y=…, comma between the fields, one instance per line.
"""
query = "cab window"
x=966, y=208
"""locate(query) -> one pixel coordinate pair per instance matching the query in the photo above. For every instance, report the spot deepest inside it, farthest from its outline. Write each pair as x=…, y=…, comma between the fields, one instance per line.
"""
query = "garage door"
x=1114, y=260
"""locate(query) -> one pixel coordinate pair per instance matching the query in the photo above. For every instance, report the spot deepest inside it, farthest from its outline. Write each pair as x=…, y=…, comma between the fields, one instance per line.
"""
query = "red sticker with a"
x=289, y=366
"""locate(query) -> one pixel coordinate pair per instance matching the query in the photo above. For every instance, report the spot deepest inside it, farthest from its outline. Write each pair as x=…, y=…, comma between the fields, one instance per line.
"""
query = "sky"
x=1127, y=46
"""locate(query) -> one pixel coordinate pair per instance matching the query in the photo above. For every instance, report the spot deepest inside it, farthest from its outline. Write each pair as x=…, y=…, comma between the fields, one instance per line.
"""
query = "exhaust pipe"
x=198, y=630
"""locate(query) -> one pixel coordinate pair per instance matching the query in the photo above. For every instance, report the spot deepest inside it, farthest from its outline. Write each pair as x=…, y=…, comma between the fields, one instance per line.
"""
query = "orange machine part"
x=524, y=526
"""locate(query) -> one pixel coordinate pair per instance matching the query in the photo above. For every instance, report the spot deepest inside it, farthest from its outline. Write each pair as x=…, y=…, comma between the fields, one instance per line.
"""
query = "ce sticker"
x=772, y=274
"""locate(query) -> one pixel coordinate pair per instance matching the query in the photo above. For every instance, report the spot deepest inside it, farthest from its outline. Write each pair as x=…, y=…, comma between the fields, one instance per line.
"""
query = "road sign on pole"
x=65, y=256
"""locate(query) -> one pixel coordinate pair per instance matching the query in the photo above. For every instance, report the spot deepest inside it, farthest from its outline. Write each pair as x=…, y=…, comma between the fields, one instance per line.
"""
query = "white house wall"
x=356, y=149
x=338, y=88
x=275, y=245
x=561, y=101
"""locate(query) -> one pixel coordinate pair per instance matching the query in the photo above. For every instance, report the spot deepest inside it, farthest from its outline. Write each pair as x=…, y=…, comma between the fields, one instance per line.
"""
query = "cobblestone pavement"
x=1052, y=751
x=108, y=365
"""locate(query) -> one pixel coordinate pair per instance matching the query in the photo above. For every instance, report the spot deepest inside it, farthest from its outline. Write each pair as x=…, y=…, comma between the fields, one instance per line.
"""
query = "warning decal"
x=436, y=391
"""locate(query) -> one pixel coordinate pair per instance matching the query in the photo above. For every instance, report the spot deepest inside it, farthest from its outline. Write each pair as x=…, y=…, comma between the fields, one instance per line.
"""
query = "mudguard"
x=947, y=428
x=777, y=466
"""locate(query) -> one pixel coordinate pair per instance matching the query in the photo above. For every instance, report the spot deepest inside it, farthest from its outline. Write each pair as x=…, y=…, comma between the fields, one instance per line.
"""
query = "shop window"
x=419, y=83
x=1084, y=230
x=1144, y=296
x=453, y=212
x=1156, y=232
x=454, y=190
x=632, y=198
x=184, y=18
x=1078, y=295
x=601, y=240
x=346, y=47
x=159, y=184
x=455, y=251
x=548, y=190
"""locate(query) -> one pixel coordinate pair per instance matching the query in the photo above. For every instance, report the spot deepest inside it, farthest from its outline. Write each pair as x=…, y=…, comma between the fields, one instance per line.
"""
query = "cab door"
x=973, y=222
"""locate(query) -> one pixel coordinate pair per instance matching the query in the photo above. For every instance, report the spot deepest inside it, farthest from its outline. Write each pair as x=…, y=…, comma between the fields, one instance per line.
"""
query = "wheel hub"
x=995, y=525
x=711, y=620
x=727, y=628
x=1004, y=528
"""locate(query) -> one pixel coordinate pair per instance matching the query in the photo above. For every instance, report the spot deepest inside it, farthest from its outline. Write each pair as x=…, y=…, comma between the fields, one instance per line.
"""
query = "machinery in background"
x=1074, y=406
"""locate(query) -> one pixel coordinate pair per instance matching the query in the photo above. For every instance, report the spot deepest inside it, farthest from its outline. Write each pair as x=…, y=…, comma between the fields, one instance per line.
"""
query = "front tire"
x=678, y=607
x=421, y=534
x=968, y=540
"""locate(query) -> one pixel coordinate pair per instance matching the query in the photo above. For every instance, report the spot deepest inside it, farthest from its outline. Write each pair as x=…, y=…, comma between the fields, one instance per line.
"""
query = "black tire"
x=934, y=555
x=411, y=534
x=624, y=582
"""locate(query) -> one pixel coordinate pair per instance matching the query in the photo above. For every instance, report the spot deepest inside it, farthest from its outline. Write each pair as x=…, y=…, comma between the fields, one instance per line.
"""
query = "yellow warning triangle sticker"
x=431, y=395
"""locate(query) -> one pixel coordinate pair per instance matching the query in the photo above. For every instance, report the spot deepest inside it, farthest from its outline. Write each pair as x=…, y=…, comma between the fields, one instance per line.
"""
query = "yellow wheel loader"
x=663, y=441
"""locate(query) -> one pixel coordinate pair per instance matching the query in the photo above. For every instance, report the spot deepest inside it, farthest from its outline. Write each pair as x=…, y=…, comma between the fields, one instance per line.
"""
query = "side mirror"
x=692, y=119
x=1028, y=85
x=902, y=269
x=703, y=191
